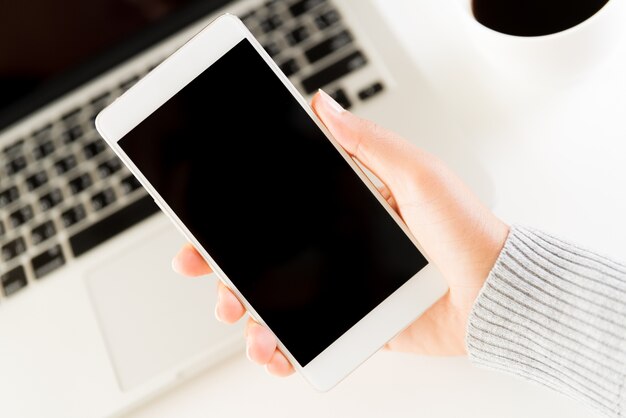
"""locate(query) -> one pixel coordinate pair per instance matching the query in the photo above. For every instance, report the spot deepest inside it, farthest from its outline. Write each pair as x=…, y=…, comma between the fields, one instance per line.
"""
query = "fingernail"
x=176, y=265
x=248, y=337
x=217, y=304
x=248, y=350
x=330, y=102
x=217, y=313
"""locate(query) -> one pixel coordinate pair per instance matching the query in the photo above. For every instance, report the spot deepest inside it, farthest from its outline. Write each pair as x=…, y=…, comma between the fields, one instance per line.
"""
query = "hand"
x=461, y=236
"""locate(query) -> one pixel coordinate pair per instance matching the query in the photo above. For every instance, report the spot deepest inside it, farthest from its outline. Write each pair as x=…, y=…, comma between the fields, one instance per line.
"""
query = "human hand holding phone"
x=294, y=228
x=462, y=237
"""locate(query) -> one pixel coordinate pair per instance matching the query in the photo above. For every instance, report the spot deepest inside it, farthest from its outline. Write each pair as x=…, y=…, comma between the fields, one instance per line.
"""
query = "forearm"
x=555, y=314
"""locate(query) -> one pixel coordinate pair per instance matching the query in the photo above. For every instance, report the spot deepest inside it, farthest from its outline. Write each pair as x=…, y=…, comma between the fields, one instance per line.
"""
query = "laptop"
x=93, y=321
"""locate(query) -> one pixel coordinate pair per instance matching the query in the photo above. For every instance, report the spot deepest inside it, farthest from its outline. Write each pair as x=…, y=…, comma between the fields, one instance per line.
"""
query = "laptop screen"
x=49, y=48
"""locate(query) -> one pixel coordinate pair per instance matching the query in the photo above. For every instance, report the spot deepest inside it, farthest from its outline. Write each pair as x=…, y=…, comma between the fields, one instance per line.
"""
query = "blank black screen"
x=273, y=202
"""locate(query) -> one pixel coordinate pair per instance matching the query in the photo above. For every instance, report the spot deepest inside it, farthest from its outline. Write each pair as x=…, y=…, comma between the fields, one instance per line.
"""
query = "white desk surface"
x=557, y=159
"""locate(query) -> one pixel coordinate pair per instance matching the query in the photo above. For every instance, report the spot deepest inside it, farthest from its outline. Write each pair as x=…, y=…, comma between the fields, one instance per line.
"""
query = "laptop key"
x=72, y=134
x=43, y=133
x=72, y=115
x=371, y=91
x=43, y=232
x=109, y=167
x=98, y=103
x=130, y=184
x=21, y=216
x=112, y=225
x=43, y=150
x=94, y=148
x=101, y=101
x=12, y=249
x=36, y=180
x=50, y=199
x=13, y=280
x=328, y=46
x=340, y=97
x=8, y=196
x=73, y=215
x=304, y=6
x=80, y=183
x=271, y=4
x=17, y=165
x=103, y=199
x=297, y=35
x=334, y=71
x=65, y=164
x=48, y=261
x=270, y=24
x=272, y=49
x=290, y=67
x=247, y=18
x=14, y=148
x=327, y=19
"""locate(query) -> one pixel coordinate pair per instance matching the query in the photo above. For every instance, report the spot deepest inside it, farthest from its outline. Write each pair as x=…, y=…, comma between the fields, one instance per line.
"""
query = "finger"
x=279, y=365
x=384, y=153
x=228, y=308
x=384, y=191
x=386, y=194
x=189, y=262
x=260, y=343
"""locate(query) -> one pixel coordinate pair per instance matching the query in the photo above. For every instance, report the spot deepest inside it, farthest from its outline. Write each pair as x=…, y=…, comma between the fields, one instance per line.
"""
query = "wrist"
x=488, y=245
x=494, y=236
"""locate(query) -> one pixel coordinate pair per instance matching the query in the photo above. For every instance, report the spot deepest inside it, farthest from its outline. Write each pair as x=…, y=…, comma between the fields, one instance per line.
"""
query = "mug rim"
x=469, y=14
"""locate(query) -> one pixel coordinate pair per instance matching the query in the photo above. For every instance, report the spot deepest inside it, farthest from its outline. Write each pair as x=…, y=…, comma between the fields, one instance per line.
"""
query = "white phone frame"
x=375, y=329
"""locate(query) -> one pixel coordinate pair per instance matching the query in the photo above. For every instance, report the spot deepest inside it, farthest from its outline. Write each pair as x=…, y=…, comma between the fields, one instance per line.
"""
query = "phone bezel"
x=376, y=328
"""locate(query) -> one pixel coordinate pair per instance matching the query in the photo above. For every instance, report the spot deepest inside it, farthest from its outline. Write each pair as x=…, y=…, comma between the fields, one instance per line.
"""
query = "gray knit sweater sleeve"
x=554, y=313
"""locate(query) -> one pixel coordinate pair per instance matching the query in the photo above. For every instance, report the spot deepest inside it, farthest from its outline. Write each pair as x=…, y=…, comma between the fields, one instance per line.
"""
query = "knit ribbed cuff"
x=623, y=399
x=555, y=314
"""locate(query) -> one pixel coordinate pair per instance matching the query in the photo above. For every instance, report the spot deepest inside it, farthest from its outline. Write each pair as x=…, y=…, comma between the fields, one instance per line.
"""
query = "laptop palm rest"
x=152, y=319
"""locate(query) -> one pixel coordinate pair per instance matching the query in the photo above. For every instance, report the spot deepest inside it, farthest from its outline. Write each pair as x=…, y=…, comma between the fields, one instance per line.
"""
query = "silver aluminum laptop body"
x=92, y=319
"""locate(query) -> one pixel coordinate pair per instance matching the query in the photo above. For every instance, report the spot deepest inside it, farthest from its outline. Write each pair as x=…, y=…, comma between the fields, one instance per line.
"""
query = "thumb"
x=384, y=153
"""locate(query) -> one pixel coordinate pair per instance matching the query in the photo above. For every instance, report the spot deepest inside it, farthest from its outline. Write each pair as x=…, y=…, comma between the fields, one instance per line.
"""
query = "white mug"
x=560, y=56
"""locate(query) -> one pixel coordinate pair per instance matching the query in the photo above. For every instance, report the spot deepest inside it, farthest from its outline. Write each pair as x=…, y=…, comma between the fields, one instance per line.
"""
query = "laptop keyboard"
x=312, y=46
x=64, y=192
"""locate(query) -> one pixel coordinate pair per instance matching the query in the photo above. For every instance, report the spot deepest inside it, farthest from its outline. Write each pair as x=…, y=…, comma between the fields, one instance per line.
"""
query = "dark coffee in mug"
x=534, y=17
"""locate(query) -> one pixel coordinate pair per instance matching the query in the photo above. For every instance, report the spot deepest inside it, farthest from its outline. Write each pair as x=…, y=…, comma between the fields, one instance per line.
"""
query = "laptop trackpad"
x=153, y=320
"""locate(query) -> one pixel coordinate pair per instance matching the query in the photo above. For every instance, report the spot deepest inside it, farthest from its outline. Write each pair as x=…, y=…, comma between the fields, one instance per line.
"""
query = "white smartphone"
x=233, y=154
